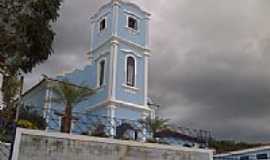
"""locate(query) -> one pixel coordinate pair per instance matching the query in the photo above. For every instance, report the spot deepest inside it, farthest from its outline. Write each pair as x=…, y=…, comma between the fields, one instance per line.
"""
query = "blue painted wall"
x=36, y=97
x=137, y=37
x=123, y=93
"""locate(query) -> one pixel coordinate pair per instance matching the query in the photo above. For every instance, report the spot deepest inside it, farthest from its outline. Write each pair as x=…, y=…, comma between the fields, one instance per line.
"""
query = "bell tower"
x=120, y=51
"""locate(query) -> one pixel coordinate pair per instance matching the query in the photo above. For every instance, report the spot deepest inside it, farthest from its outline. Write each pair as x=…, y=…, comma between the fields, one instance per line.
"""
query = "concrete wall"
x=37, y=145
x=250, y=154
x=4, y=151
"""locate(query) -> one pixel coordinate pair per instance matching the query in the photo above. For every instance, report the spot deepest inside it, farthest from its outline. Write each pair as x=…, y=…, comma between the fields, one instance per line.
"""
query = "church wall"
x=123, y=93
x=36, y=98
x=123, y=112
x=101, y=37
x=124, y=32
x=101, y=111
x=85, y=77
x=88, y=77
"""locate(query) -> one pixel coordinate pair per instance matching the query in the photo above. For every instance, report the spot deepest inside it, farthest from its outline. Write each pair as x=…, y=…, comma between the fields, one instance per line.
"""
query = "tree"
x=12, y=90
x=155, y=125
x=69, y=95
x=26, y=35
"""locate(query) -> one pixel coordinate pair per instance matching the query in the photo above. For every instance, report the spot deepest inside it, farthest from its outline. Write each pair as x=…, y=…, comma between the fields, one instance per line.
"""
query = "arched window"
x=101, y=73
x=130, y=71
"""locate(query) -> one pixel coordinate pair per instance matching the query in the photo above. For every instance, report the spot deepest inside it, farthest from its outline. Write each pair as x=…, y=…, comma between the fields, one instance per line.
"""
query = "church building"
x=117, y=69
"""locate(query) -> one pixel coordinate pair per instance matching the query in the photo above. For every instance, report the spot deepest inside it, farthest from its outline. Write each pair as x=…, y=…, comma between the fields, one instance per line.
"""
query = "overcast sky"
x=209, y=64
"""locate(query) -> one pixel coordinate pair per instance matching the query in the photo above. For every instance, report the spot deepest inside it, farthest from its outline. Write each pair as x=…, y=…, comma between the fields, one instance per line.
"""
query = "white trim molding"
x=101, y=55
x=115, y=14
x=130, y=88
x=131, y=52
x=145, y=51
x=107, y=102
x=146, y=65
x=113, y=69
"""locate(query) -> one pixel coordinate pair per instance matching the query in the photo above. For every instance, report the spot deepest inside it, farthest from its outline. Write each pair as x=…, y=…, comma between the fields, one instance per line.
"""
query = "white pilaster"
x=47, y=104
x=111, y=120
x=113, y=69
x=116, y=5
x=147, y=33
x=146, y=80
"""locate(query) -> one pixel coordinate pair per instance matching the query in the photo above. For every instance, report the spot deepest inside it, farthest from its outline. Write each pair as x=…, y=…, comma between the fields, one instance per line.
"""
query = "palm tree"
x=155, y=125
x=69, y=95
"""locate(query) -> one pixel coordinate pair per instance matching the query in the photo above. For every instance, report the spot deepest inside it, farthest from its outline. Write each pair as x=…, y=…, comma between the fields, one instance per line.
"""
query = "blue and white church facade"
x=117, y=69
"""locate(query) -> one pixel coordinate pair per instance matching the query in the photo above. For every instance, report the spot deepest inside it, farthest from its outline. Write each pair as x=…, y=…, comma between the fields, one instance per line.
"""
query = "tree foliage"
x=155, y=125
x=26, y=38
x=26, y=33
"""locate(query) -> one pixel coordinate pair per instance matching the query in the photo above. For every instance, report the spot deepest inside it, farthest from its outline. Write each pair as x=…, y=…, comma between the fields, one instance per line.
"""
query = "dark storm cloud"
x=213, y=57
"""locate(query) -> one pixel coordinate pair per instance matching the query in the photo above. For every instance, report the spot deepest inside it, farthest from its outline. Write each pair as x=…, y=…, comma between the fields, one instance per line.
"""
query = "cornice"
x=137, y=7
x=118, y=103
x=116, y=40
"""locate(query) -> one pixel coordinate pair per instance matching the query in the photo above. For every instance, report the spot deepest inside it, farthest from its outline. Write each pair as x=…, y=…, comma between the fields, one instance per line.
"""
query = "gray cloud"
x=213, y=57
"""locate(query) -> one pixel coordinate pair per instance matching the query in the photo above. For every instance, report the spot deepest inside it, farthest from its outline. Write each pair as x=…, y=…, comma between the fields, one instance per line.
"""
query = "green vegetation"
x=26, y=40
x=29, y=115
x=228, y=146
x=29, y=118
x=155, y=125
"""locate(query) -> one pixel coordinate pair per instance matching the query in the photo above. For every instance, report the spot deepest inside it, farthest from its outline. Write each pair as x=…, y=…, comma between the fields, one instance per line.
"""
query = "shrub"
x=26, y=124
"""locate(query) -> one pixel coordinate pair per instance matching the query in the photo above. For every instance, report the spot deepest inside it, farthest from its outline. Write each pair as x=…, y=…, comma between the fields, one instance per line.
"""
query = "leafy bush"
x=26, y=124
x=30, y=115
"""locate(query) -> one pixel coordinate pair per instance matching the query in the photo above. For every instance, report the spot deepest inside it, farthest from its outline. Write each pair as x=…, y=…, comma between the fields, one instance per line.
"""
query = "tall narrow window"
x=131, y=71
x=101, y=72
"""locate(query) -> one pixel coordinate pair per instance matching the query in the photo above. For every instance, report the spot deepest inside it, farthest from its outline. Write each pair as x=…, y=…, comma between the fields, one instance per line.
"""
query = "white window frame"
x=98, y=71
x=135, y=65
x=106, y=24
x=138, y=23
